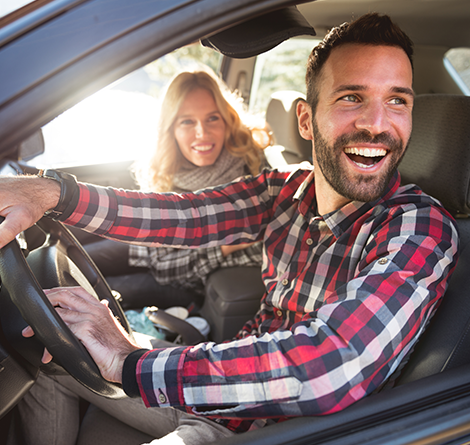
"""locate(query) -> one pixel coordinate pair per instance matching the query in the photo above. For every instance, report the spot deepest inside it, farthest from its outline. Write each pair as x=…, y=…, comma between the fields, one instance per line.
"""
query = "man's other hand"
x=95, y=326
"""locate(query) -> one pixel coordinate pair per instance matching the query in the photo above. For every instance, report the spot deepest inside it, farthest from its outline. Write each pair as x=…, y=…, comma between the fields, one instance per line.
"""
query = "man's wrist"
x=129, y=380
x=68, y=191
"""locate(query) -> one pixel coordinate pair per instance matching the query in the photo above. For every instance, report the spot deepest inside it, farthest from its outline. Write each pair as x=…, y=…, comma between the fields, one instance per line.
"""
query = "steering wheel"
x=61, y=261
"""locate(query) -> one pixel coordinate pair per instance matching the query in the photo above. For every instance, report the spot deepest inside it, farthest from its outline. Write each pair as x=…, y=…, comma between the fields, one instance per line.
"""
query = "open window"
x=457, y=62
x=118, y=123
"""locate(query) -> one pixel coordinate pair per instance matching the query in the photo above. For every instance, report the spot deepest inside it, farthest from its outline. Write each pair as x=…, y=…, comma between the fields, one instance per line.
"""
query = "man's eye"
x=398, y=101
x=350, y=98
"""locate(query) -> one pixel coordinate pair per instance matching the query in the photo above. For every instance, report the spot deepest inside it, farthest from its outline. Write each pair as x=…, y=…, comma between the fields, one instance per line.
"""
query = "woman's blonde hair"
x=241, y=140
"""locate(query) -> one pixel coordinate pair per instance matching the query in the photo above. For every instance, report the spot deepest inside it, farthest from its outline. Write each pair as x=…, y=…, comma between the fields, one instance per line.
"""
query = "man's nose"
x=374, y=119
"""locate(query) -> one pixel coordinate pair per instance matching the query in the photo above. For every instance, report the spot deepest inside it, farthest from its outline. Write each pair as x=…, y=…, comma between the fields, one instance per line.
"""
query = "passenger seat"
x=290, y=147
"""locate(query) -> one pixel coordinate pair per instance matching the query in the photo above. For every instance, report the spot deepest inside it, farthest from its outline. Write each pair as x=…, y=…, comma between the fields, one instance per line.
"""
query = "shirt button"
x=309, y=241
x=285, y=281
x=279, y=313
x=383, y=261
x=161, y=398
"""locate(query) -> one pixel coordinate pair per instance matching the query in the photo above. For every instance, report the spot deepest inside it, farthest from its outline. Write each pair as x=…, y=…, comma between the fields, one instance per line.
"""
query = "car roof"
x=427, y=22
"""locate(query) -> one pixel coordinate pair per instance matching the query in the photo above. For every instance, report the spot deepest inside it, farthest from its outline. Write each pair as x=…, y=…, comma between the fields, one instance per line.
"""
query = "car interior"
x=434, y=383
x=438, y=160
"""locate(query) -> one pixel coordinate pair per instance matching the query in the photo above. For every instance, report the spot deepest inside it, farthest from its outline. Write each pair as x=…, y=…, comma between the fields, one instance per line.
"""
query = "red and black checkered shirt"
x=347, y=293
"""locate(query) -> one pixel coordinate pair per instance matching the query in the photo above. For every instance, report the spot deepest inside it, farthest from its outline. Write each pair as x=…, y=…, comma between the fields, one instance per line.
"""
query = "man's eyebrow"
x=353, y=87
x=404, y=90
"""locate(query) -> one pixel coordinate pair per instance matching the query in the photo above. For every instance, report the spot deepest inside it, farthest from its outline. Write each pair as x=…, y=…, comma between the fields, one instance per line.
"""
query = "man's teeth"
x=366, y=152
x=202, y=147
x=364, y=165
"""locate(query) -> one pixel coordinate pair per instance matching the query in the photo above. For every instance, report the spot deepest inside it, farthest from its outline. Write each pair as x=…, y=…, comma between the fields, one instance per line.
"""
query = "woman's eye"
x=186, y=122
x=213, y=118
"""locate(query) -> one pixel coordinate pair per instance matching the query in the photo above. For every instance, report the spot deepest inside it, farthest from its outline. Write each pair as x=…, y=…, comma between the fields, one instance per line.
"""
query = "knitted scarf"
x=225, y=169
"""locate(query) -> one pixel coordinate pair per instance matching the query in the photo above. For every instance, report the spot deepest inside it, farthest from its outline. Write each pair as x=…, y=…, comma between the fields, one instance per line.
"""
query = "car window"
x=282, y=68
x=8, y=6
x=457, y=62
x=118, y=123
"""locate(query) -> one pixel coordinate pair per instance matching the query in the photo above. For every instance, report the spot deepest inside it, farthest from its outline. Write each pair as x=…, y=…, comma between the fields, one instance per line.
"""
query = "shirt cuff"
x=71, y=206
x=129, y=380
x=159, y=376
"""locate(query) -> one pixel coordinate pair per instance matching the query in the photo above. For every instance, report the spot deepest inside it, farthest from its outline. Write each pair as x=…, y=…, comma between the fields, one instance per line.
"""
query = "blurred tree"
x=190, y=57
x=282, y=68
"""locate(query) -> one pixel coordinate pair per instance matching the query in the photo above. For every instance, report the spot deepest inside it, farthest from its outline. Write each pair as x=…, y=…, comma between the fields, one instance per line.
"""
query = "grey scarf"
x=225, y=169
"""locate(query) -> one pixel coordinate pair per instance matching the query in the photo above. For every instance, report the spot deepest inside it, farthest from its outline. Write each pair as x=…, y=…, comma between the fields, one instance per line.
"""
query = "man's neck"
x=328, y=200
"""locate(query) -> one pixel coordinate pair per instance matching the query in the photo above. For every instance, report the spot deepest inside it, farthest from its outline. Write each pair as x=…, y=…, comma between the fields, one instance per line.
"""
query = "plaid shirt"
x=189, y=268
x=347, y=296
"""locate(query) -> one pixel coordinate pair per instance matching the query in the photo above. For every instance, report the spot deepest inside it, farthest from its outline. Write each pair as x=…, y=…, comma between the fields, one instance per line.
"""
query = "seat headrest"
x=281, y=115
x=438, y=156
x=260, y=34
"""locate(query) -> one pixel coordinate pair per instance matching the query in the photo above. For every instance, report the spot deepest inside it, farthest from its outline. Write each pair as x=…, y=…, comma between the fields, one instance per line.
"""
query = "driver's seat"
x=438, y=160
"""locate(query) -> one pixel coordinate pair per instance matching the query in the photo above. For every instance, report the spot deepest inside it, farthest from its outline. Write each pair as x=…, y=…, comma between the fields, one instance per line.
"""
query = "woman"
x=202, y=142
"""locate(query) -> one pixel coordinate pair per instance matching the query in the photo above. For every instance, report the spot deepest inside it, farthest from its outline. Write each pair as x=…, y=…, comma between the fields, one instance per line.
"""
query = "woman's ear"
x=304, y=118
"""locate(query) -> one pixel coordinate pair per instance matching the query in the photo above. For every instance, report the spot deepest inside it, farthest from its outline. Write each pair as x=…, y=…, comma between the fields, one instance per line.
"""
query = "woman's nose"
x=200, y=129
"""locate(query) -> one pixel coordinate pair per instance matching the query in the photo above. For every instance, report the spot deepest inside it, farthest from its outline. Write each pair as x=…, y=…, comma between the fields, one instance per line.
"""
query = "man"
x=354, y=264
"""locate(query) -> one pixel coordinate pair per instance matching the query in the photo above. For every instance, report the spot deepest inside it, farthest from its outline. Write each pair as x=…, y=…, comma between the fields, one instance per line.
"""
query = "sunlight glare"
x=110, y=126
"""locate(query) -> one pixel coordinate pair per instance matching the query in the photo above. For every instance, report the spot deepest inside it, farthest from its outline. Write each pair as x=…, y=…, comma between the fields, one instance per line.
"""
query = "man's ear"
x=304, y=118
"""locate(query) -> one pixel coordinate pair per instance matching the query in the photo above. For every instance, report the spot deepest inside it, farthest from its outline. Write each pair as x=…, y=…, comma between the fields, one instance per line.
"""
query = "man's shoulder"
x=411, y=193
x=412, y=198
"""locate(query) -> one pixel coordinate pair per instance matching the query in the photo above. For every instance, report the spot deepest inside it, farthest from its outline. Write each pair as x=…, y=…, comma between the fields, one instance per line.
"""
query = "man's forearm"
x=183, y=221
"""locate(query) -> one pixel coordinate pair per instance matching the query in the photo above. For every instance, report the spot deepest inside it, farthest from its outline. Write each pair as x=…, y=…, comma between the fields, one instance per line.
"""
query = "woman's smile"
x=199, y=128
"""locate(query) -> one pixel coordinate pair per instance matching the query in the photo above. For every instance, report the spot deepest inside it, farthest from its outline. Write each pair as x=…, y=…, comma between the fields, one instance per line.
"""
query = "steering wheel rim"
x=27, y=295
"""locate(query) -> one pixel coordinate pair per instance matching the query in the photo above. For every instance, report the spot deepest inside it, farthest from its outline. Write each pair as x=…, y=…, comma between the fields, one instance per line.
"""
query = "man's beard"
x=362, y=188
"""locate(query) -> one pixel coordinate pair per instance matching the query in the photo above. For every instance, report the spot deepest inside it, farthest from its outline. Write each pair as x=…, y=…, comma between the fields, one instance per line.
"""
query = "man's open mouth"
x=365, y=157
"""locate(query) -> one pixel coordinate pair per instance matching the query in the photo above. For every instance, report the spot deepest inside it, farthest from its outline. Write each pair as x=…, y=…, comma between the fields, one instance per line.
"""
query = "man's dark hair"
x=369, y=29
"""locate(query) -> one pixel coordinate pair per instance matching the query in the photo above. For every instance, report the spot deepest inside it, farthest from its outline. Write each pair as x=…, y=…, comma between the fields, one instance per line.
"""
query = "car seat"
x=281, y=115
x=438, y=160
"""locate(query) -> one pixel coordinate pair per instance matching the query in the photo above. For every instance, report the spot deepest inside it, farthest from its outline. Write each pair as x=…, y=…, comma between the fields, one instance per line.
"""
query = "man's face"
x=362, y=122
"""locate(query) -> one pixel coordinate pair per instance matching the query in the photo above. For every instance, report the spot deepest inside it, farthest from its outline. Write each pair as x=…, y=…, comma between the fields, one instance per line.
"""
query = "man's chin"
x=366, y=190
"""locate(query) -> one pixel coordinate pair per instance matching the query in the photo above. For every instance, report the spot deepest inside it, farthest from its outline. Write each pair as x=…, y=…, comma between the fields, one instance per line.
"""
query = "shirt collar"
x=339, y=220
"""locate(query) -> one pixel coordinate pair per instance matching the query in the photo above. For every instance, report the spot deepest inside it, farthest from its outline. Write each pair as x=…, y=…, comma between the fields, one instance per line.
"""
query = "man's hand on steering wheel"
x=95, y=326
x=23, y=201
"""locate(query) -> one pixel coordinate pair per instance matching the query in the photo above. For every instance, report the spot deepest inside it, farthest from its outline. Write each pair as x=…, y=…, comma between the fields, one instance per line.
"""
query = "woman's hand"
x=95, y=326
x=227, y=250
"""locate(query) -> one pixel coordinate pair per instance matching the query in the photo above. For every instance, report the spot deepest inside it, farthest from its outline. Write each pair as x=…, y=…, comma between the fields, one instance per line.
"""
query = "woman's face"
x=199, y=128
